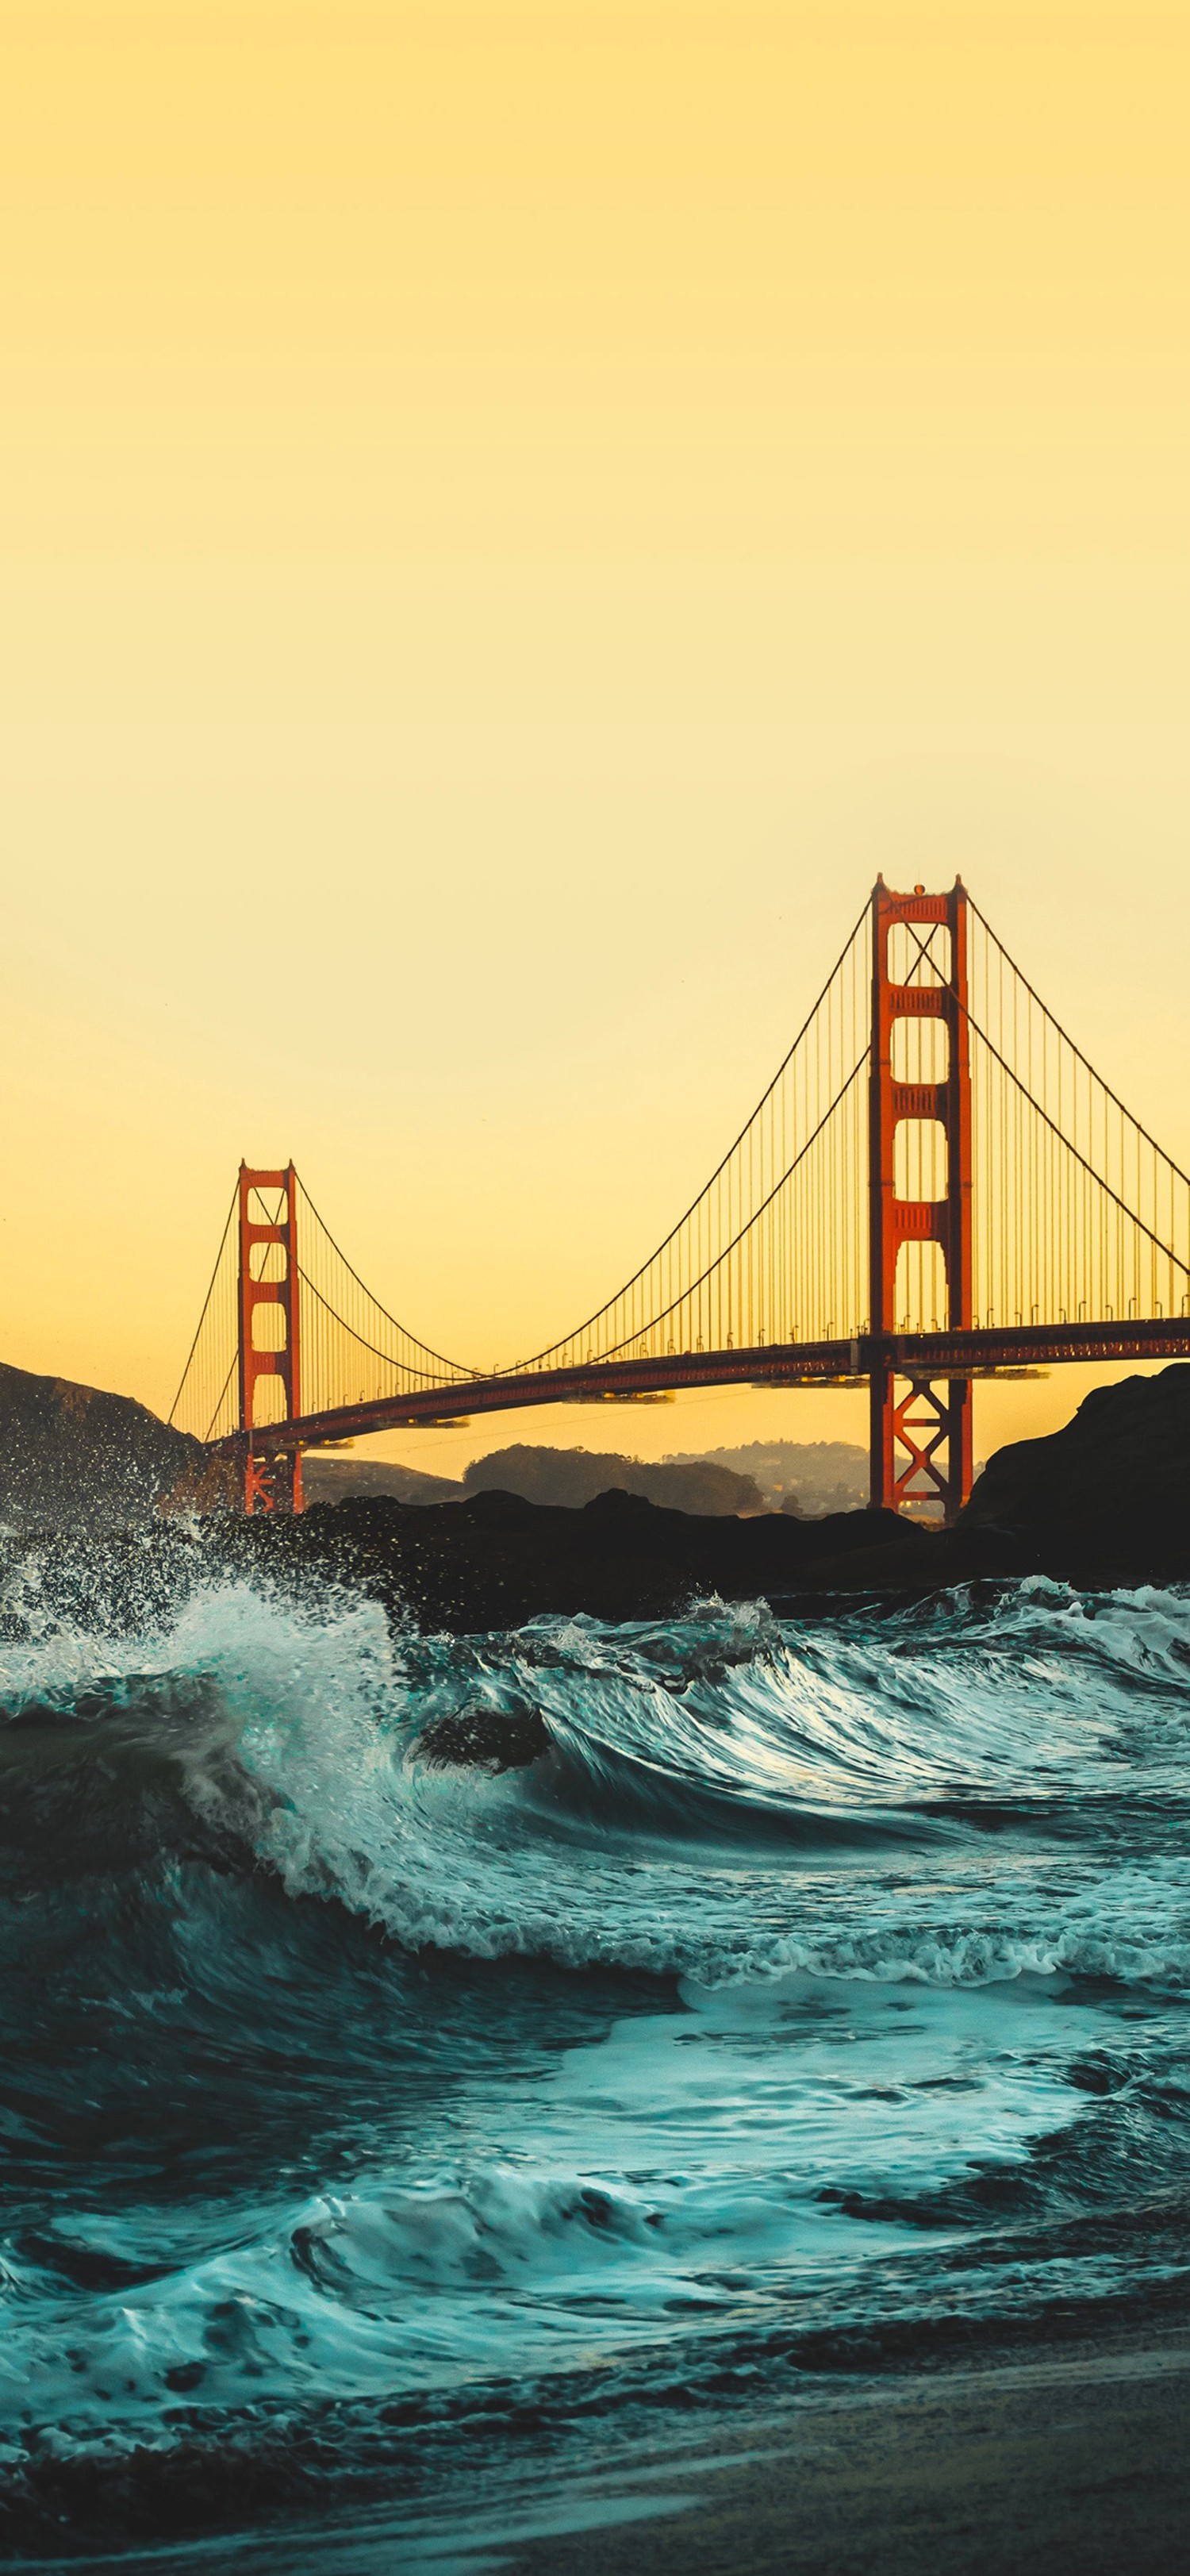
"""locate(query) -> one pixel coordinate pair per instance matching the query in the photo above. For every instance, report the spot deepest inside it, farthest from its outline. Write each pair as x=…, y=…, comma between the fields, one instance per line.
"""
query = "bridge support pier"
x=915, y=1419
x=921, y=1445
x=272, y=1480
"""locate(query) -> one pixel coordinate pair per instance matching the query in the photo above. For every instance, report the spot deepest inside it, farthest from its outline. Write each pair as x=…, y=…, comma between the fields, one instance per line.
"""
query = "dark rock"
x=1109, y=1493
x=491, y=1739
x=496, y=1560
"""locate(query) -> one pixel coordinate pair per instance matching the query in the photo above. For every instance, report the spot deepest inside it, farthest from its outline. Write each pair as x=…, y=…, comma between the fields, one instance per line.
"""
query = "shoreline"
x=1014, y=2463
x=496, y=1561
x=1018, y=2462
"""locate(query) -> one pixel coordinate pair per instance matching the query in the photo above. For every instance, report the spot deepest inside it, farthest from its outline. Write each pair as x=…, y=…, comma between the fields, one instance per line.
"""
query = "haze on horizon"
x=510, y=517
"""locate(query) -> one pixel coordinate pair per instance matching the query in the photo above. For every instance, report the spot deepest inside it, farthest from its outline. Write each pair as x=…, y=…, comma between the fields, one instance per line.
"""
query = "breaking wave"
x=832, y=1973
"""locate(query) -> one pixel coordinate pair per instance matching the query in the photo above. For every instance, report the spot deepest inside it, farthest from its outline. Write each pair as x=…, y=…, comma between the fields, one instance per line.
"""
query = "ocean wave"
x=818, y=1970
x=727, y=1797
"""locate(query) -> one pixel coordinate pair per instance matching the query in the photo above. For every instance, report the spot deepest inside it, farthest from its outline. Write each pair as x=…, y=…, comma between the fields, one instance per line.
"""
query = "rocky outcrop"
x=71, y=1456
x=1109, y=1493
x=496, y=1560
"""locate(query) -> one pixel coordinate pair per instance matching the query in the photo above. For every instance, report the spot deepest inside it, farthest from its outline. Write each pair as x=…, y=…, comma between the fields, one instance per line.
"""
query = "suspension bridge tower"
x=269, y=1322
x=919, y=1186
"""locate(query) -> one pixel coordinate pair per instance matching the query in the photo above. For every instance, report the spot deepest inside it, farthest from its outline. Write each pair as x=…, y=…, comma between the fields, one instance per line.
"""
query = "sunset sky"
x=511, y=515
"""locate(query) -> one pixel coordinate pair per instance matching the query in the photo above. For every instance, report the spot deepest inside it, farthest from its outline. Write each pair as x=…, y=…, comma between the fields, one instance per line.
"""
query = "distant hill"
x=332, y=1479
x=71, y=1455
x=576, y=1476
x=809, y=1477
x=571, y=1477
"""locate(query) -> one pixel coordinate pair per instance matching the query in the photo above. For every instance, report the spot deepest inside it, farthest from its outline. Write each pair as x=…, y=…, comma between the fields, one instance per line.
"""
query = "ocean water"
x=823, y=1995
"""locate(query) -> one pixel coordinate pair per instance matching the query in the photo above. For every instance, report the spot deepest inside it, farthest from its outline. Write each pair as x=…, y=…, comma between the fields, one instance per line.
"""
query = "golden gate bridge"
x=937, y=1185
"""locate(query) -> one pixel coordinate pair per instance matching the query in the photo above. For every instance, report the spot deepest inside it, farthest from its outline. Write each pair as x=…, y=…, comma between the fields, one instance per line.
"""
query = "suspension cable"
x=458, y=1365
x=222, y=1392
x=1075, y=1049
x=464, y=1376
x=728, y=1248
x=205, y=1303
x=695, y=1203
x=950, y=986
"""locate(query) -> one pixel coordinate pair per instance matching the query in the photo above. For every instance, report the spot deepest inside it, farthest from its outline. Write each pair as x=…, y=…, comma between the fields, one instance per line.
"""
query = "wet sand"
x=1067, y=2463
x=1071, y=2463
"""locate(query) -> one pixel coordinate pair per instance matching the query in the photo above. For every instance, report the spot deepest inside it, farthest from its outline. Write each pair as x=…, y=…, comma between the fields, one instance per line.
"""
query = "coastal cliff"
x=74, y=1457
x=1112, y=1488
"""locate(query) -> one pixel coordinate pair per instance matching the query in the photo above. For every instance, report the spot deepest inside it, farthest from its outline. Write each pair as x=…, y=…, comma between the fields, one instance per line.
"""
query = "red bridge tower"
x=921, y=1436
x=270, y=1331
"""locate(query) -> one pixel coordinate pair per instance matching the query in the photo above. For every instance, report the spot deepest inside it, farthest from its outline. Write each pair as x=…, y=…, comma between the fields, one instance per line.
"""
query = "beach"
x=1067, y=2461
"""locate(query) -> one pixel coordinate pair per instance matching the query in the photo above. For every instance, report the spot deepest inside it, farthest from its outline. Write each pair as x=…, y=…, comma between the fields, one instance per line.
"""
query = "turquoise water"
x=822, y=1994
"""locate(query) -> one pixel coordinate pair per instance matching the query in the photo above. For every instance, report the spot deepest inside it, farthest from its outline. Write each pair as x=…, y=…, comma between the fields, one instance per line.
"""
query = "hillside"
x=1111, y=1487
x=334, y=1479
x=567, y=1477
x=809, y=1477
x=575, y=1477
x=72, y=1455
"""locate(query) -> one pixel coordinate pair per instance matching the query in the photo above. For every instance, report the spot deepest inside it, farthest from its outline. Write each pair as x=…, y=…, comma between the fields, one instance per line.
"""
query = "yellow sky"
x=510, y=515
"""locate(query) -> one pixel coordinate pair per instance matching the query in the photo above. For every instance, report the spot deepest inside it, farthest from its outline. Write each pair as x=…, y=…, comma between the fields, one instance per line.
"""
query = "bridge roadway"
x=835, y=1363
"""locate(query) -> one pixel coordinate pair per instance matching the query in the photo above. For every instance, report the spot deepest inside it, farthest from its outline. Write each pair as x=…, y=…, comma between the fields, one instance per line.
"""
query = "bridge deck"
x=933, y=1355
